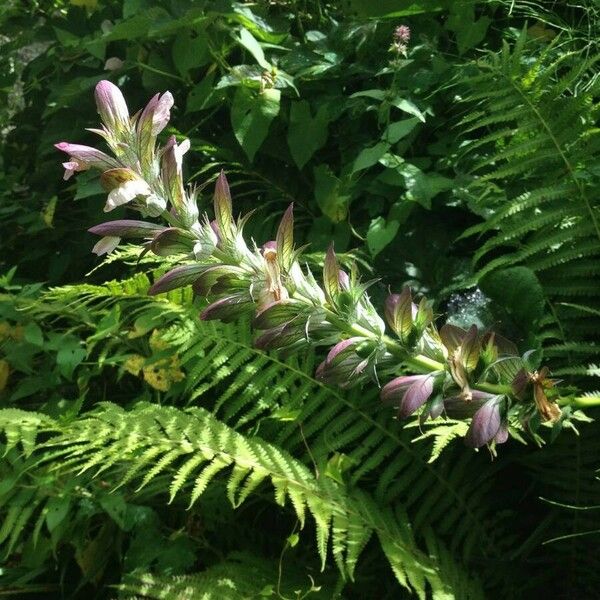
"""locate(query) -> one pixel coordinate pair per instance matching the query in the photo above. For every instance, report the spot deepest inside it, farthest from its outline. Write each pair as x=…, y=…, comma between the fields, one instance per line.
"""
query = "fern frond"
x=239, y=577
x=113, y=436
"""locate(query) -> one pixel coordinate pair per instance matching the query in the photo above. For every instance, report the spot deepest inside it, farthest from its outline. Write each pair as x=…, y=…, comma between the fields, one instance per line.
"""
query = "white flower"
x=155, y=205
x=126, y=192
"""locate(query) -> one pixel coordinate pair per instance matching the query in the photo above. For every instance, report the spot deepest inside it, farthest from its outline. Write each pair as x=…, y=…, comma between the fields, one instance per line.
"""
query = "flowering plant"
x=438, y=372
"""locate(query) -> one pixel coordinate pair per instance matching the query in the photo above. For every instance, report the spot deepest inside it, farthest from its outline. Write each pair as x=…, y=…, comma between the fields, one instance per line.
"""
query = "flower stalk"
x=420, y=368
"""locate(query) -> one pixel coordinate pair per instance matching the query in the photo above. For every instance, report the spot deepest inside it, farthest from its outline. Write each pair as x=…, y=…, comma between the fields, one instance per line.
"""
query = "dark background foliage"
x=412, y=164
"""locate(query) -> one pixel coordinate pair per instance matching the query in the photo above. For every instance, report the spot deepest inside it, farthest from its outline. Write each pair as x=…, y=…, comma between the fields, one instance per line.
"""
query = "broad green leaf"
x=203, y=95
x=114, y=504
x=68, y=359
x=330, y=195
x=190, y=50
x=251, y=115
x=408, y=107
x=375, y=94
x=370, y=156
x=306, y=134
x=56, y=510
x=469, y=31
x=380, y=234
x=33, y=334
x=396, y=131
x=422, y=187
x=251, y=44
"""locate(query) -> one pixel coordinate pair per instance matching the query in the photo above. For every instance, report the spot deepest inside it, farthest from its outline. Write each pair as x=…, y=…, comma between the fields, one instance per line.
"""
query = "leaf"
x=392, y=9
x=330, y=195
x=68, y=359
x=33, y=334
x=380, y=234
x=306, y=134
x=396, y=131
x=370, y=156
x=251, y=44
x=56, y=509
x=203, y=95
x=190, y=50
x=376, y=94
x=469, y=32
x=422, y=187
x=518, y=290
x=114, y=504
x=251, y=115
x=408, y=107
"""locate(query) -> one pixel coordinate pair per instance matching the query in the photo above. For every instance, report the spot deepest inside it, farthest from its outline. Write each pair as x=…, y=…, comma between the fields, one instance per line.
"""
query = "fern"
x=193, y=447
x=347, y=437
x=239, y=577
x=536, y=139
x=254, y=391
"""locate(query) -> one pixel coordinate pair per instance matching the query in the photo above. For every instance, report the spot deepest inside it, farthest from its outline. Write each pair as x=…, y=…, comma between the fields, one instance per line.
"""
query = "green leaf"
x=330, y=195
x=204, y=95
x=251, y=115
x=380, y=234
x=518, y=290
x=56, y=509
x=392, y=9
x=306, y=134
x=251, y=44
x=408, y=107
x=469, y=31
x=33, y=334
x=422, y=187
x=376, y=94
x=396, y=131
x=115, y=505
x=190, y=50
x=68, y=359
x=370, y=156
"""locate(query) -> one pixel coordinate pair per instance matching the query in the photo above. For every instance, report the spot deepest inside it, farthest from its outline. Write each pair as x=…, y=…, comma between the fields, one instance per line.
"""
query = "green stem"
x=580, y=401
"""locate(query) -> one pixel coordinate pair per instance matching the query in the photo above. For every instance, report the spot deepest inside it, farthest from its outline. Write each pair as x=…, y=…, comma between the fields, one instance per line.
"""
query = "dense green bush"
x=143, y=448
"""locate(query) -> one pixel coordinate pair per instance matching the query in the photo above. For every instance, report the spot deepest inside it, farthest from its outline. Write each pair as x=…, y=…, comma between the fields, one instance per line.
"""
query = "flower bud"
x=464, y=406
x=228, y=308
x=277, y=313
x=112, y=107
x=222, y=206
x=399, y=312
x=127, y=228
x=285, y=239
x=172, y=175
x=220, y=279
x=408, y=393
x=331, y=275
x=172, y=241
x=176, y=278
x=281, y=336
x=343, y=366
x=486, y=423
